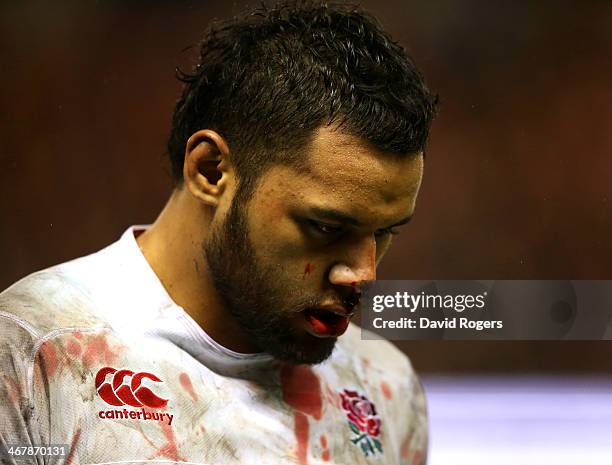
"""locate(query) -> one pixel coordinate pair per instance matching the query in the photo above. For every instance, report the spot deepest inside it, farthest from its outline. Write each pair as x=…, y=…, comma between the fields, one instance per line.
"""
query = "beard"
x=256, y=295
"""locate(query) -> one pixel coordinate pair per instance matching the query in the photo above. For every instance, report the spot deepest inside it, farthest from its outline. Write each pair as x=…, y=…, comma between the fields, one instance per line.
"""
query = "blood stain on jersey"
x=301, y=435
x=405, y=448
x=386, y=390
x=170, y=449
x=98, y=350
x=302, y=391
x=187, y=386
x=73, y=348
x=75, y=439
x=12, y=388
x=48, y=356
x=325, y=453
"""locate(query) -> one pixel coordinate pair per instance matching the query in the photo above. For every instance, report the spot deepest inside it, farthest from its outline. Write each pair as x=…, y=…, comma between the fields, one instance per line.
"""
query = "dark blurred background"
x=518, y=170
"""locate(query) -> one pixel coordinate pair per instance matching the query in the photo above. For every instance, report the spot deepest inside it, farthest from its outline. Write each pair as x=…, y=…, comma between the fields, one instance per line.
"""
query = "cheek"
x=281, y=244
x=277, y=237
x=278, y=245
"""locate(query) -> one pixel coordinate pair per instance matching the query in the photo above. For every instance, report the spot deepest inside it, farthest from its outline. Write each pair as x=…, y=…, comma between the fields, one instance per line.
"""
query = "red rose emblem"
x=361, y=412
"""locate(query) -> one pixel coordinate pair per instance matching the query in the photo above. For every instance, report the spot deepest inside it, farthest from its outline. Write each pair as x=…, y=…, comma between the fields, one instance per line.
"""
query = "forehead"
x=349, y=174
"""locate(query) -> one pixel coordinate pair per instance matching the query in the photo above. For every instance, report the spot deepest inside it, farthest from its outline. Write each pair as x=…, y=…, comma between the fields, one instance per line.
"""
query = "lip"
x=327, y=320
x=336, y=310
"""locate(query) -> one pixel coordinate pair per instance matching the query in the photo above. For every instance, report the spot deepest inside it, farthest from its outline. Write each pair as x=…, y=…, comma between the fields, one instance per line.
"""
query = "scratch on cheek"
x=309, y=268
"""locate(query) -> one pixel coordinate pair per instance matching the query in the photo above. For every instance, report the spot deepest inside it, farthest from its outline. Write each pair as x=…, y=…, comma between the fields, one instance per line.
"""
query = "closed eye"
x=330, y=230
x=323, y=228
x=386, y=232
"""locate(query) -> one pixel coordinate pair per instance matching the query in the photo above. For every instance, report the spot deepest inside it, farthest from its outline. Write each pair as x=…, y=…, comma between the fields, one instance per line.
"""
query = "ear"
x=206, y=168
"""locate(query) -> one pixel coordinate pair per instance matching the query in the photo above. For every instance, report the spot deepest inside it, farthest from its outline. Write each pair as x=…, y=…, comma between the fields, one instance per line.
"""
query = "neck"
x=173, y=248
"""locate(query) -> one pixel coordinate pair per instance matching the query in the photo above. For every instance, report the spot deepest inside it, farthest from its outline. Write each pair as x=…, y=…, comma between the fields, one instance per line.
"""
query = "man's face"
x=288, y=262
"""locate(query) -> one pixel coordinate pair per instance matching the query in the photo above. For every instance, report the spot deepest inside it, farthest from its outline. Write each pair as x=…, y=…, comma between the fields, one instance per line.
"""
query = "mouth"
x=327, y=321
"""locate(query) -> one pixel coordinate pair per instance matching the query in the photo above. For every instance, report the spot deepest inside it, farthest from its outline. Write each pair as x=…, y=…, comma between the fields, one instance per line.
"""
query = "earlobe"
x=205, y=169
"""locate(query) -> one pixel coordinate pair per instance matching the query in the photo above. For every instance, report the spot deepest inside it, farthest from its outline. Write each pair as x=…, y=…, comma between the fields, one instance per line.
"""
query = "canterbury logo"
x=125, y=388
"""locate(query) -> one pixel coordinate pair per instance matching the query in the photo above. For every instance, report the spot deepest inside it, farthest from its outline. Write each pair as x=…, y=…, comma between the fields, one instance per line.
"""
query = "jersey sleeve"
x=19, y=426
x=415, y=443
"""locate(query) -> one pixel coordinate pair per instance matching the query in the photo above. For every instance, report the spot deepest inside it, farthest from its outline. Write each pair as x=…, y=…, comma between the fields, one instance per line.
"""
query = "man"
x=221, y=334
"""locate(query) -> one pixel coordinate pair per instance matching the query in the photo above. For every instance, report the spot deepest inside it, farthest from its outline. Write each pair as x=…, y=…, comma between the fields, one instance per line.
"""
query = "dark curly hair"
x=266, y=80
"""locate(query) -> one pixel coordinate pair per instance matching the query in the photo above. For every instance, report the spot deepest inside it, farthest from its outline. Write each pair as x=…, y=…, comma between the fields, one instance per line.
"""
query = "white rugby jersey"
x=95, y=356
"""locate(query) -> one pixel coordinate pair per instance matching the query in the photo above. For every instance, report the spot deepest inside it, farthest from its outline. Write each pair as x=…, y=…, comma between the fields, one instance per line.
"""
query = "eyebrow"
x=336, y=215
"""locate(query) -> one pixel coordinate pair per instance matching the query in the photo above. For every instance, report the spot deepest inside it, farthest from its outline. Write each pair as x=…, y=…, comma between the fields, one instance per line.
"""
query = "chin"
x=312, y=352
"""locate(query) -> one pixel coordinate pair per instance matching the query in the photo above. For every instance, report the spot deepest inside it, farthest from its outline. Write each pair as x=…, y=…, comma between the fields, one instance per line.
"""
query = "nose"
x=358, y=265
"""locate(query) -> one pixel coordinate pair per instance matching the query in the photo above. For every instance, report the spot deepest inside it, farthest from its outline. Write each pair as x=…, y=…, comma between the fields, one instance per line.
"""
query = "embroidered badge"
x=363, y=422
x=125, y=388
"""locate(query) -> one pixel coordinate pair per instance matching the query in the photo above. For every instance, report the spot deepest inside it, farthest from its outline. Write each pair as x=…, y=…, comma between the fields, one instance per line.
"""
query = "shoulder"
x=48, y=300
x=48, y=321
